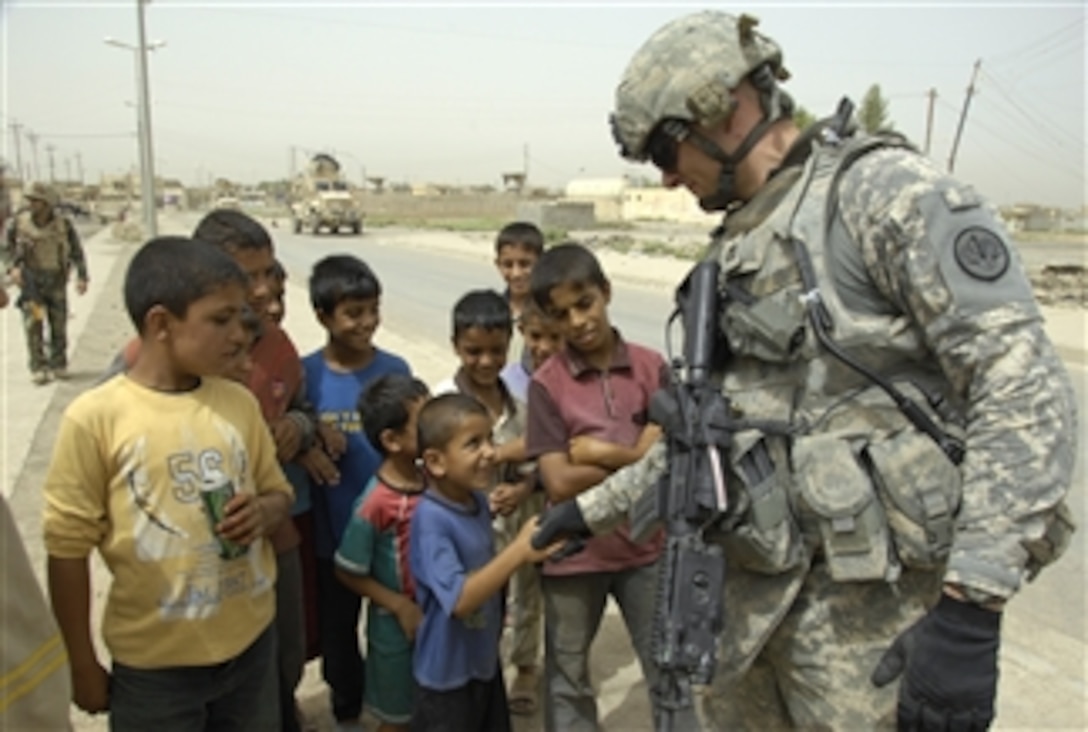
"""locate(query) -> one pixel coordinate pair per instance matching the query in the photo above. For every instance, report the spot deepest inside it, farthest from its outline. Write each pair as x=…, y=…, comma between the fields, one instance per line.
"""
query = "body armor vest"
x=840, y=472
x=42, y=248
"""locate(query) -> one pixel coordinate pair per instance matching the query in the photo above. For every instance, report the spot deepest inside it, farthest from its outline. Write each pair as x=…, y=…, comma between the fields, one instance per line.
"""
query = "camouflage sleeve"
x=935, y=251
x=606, y=505
x=75, y=252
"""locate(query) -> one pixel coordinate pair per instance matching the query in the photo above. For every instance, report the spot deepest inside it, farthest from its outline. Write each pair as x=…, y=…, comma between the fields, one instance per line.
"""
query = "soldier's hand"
x=16, y=276
x=948, y=664
x=81, y=286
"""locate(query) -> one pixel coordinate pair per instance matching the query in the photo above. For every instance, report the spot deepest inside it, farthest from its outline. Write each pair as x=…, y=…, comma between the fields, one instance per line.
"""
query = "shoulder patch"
x=981, y=253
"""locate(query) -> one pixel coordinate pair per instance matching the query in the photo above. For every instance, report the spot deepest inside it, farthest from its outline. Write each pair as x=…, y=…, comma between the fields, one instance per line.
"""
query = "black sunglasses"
x=664, y=141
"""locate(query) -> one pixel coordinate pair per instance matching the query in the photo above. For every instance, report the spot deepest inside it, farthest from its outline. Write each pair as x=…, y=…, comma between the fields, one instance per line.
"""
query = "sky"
x=463, y=92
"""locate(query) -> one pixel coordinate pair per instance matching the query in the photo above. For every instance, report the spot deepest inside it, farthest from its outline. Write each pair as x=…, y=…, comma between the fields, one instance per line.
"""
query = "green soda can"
x=216, y=497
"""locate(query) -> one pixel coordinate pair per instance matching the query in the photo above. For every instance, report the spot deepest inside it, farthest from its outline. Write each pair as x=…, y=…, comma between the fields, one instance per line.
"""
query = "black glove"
x=948, y=660
x=562, y=520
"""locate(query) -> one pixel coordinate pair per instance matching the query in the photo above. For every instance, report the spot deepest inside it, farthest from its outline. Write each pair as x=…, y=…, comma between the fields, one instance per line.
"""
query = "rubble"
x=1061, y=285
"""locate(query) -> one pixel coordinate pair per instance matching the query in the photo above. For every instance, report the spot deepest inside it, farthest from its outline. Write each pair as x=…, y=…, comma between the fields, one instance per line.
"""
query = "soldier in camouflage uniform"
x=911, y=430
x=42, y=248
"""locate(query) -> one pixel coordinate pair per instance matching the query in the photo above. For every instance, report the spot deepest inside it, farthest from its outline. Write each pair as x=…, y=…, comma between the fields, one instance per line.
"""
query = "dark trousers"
x=342, y=664
x=53, y=301
x=238, y=695
x=478, y=706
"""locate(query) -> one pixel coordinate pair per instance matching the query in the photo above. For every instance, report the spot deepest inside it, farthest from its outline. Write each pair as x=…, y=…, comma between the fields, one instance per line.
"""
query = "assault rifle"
x=688, y=499
x=30, y=300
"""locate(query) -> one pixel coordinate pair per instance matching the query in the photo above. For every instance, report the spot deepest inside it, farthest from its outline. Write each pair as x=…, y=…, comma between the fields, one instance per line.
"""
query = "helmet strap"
x=775, y=104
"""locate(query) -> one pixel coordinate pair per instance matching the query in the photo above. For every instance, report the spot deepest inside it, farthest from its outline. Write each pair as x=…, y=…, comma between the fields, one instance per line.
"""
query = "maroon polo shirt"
x=567, y=398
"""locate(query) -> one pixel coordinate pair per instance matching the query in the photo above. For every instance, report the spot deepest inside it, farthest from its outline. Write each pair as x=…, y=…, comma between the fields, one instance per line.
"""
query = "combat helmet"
x=42, y=192
x=686, y=71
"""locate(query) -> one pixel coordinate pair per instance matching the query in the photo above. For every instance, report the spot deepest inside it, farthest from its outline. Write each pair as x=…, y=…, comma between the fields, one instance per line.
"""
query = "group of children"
x=247, y=500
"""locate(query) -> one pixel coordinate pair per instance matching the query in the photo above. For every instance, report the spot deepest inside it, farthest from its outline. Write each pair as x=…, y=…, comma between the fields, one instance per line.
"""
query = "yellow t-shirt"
x=126, y=477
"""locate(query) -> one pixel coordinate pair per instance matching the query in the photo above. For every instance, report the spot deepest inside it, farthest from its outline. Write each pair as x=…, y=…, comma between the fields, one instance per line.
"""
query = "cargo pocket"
x=921, y=490
x=767, y=539
x=839, y=500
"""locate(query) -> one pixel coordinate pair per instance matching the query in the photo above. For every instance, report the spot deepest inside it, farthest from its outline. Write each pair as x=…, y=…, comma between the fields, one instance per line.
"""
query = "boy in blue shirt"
x=345, y=294
x=459, y=578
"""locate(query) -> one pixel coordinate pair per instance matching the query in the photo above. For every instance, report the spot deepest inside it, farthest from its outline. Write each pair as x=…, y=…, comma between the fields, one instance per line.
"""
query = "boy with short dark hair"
x=346, y=297
x=481, y=335
x=542, y=338
x=170, y=473
x=597, y=386
x=275, y=378
x=459, y=578
x=373, y=556
x=518, y=246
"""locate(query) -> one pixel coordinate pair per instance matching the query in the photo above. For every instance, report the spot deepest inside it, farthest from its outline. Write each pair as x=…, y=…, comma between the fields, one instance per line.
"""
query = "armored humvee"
x=322, y=198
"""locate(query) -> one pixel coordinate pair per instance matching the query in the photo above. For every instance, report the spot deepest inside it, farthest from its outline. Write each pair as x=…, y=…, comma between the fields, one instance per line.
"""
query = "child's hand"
x=335, y=441
x=524, y=542
x=287, y=436
x=409, y=616
x=506, y=497
x=91, y=687
x=320, y=466
x=244, y=519
x=586, y=450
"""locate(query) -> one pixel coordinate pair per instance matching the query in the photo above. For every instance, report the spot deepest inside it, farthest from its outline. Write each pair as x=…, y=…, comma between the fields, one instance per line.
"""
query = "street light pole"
x=147, y=162
x=147, y=159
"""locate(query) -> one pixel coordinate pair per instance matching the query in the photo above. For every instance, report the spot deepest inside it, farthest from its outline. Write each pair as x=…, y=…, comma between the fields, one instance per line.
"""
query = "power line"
x=1054, y=163
x=1038, y=123
x=1043, y=42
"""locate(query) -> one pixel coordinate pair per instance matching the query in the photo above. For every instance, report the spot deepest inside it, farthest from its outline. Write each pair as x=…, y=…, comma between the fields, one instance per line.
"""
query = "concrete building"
x=617, y=199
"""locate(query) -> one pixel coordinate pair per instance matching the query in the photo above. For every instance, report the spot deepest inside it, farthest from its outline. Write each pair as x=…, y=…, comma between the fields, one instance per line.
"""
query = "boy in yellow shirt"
x=170, y=473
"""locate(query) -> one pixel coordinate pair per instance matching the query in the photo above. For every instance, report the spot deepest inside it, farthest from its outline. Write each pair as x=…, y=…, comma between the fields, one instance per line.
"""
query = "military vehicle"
x=322, y=198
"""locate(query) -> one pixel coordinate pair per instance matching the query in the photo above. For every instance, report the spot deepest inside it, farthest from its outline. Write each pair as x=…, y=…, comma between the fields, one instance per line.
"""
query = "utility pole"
x=929, y=119
x=147, y=170
x=33, y=137
x=15, y=127
x=525, y=164
x=963, y=115
x=52, y=172
x=68, y=170
x=79, y=167
x=291, y=161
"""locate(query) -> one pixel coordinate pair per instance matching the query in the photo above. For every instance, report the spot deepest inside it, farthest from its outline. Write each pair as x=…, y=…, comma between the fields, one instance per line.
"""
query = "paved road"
x=1044, y=649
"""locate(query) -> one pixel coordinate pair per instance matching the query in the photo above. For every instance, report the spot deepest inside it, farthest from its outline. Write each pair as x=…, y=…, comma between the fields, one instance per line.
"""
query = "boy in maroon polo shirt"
x=597, y=386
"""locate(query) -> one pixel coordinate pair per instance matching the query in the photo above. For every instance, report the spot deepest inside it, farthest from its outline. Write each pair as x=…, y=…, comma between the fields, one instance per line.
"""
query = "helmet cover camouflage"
x=685, y=71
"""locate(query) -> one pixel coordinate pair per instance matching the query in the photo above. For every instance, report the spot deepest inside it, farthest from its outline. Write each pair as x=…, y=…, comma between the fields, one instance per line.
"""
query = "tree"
x=803, y=118
x=873, y=113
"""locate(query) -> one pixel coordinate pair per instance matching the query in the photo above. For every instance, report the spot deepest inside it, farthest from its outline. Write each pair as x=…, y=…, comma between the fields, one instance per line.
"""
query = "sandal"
x=523, y=694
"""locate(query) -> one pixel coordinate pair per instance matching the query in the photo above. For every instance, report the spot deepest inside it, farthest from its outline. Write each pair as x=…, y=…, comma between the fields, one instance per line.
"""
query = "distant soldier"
x=42, y=247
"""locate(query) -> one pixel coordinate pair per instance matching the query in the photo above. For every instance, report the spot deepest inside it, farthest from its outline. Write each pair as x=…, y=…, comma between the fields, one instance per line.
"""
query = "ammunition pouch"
x=765, y=537
x=840, y=506
x=769, y=328
x=921, y=491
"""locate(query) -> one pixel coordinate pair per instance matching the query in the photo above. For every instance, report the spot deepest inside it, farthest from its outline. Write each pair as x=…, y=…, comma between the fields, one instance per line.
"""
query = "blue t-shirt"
x=335, y=396
x=448, y=542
